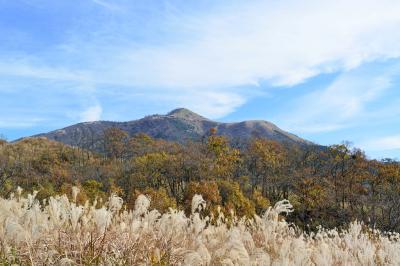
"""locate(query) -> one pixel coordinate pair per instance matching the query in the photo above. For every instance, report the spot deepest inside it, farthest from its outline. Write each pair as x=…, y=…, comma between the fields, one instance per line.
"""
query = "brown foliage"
x=328, y=185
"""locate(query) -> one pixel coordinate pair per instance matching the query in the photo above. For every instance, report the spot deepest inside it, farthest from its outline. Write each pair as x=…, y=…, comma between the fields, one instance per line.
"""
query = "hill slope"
x=178, y=125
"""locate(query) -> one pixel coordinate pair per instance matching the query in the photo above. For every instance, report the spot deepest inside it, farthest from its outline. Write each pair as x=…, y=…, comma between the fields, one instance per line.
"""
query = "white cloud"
x=283, y=42
x=92, y=113
x=107, y=5
x=344, y=103
x=383, y=143
x=27, y=68
x=211, y=104
x=19, y=122
x=199, y=57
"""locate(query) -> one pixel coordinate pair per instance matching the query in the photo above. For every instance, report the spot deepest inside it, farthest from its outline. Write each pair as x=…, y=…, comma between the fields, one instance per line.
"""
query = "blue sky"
x=327, y=71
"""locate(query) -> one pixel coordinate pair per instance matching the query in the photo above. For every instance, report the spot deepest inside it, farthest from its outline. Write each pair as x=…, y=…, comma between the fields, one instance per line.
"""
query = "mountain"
x=178, y=125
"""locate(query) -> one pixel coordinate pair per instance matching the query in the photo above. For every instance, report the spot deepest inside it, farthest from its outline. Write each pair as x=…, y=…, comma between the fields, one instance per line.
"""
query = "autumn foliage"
x=329, y=186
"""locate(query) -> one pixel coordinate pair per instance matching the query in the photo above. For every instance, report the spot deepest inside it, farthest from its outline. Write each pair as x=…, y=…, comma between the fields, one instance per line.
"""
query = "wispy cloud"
x=19, y=122
x=26, y=69
x=107, y=4
x=344, y=103
x=93, y=113
x=213, y=61
x=209, y=103
x=284, y=42
x=382, y=143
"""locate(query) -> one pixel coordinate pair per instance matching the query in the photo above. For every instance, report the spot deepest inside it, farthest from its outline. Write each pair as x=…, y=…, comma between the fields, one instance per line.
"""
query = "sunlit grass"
x=60, y=232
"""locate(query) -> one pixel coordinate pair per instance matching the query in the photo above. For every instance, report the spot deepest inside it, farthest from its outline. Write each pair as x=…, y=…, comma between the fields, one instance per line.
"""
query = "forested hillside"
x=330, y=187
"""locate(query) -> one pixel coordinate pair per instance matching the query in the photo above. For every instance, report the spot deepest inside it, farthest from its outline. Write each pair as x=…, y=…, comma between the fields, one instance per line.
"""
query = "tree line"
x=329, y=186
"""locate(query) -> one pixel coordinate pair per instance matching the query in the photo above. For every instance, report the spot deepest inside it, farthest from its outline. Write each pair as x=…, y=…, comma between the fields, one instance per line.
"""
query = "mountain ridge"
x=178, y=125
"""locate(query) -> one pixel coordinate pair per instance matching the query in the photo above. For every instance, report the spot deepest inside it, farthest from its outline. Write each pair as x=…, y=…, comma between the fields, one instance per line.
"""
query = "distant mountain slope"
x=178, y=125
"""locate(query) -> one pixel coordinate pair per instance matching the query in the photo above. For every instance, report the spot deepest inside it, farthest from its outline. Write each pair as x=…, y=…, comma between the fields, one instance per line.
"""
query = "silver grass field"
x=59, y=232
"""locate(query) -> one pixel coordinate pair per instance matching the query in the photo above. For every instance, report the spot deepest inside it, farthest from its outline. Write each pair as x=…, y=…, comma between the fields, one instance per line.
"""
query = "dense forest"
x=329, y=186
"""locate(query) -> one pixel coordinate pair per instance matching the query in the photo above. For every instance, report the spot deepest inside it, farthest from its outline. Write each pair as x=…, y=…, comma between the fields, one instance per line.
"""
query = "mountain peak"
x=178, y=125
x=186, y=114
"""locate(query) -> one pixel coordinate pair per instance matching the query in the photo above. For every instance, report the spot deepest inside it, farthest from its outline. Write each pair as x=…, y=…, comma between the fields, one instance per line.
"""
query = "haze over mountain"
x=178, y=125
